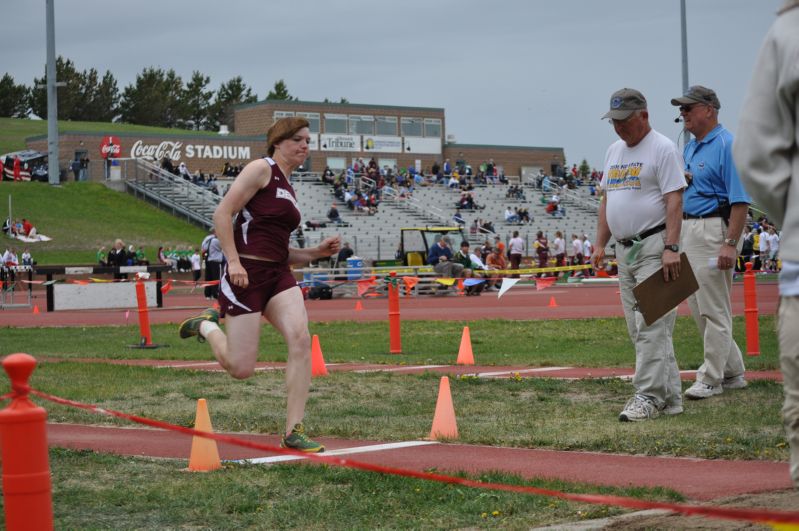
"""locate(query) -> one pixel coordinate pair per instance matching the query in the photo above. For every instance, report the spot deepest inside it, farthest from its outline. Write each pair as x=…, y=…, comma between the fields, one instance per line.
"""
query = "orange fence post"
x=27, y=490
x=394, y=315
x=144, y=315
x=750, y=312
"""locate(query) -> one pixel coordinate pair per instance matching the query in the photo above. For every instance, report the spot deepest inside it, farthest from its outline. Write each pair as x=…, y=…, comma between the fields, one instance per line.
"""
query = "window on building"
x=336, y=124
x=381, y=163
x=412, y=127
x=282, y=114
x=432, y=127
x=313, y=120
x=362, y=124
x=337, y=163
x=386, y=125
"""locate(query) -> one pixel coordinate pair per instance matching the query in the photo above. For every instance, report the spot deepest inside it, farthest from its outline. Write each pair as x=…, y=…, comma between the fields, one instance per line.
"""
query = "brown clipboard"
x=655, y=297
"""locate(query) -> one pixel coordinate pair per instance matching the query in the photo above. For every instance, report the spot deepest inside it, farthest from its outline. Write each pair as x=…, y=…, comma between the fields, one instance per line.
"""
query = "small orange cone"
x=444, y=425
x=318, y=367
x=552, y=303
x=358, y=306
x=216, y=305
x=465, y=356
x=36, y=309
x=204, y=454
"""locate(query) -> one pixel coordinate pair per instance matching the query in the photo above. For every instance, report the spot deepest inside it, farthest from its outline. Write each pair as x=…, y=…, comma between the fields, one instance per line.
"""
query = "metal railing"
x=172, y=193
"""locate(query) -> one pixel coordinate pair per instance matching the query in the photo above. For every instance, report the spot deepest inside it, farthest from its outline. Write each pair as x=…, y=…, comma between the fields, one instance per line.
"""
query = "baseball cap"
x=623, y=103
x=698, y=94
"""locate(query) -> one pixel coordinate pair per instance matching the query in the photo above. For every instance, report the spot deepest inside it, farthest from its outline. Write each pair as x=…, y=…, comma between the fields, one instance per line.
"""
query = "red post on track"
x=750, y=312
x=144, y=315
x=27, y=489
x=394, y=315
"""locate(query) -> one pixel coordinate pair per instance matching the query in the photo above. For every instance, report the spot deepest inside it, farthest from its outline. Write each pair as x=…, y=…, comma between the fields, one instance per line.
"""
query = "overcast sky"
x=509, y=72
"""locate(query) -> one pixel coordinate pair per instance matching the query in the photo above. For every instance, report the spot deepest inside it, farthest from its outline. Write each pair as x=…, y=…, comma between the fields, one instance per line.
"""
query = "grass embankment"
x=14, y=131
x=80, y=217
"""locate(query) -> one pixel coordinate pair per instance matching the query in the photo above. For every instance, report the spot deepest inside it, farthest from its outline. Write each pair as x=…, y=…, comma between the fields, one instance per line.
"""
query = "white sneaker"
x=638, y=408
x=701, y=390
x=734, y=382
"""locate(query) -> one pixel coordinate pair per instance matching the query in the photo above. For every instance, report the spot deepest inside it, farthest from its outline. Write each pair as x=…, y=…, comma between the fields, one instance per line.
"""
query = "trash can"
x=354, y=268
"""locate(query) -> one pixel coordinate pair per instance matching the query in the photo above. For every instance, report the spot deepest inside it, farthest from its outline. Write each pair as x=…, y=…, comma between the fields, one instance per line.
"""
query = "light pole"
x=53, y=172
x=684, y=28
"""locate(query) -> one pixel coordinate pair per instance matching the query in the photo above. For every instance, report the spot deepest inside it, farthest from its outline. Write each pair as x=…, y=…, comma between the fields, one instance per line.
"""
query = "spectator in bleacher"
x=524, y=215
x=488, y=226
x=458, y=218
x=333, y=214
x=447, y=168
x=470, y=263
x=440, y=257
x=511, y=216
x=328, y=176
x=453, y=182
x=515, y=251
x=166, y=165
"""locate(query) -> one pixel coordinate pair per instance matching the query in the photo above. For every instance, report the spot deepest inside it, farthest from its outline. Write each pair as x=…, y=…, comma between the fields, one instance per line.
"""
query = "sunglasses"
x=688, y=108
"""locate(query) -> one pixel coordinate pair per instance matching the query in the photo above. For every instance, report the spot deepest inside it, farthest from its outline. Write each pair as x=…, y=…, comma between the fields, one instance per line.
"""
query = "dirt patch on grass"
x=786, y=500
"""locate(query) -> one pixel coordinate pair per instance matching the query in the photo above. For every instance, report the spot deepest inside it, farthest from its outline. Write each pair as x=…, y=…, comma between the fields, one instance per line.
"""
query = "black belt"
x=714, y=214
x=642, y=236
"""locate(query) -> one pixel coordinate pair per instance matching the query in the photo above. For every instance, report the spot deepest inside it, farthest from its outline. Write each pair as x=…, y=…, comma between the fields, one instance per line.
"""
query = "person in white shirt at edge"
x=641, y=208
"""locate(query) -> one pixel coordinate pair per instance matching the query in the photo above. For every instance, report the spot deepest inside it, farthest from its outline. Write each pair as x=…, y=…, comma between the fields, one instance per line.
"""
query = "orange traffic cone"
x=465, y=356
x=204, y=454
x=358, y=306
x=444, y=425
x=36, y=309
x=318, y=367
x=552, y=303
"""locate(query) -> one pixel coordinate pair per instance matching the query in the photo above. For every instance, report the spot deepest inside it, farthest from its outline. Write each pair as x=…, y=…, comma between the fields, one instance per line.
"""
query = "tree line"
x=157, y=97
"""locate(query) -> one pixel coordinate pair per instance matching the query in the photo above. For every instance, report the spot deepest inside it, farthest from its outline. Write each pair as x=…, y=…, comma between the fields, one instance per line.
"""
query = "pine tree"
x=230, y=94
x=280, y=92
x=196, y=101
x=70, y=98
x=13, y=98
x=154, y=99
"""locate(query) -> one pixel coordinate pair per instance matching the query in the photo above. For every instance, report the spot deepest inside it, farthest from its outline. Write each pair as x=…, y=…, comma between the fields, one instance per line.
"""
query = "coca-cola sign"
x=170, y=150
x=110, y=147
x=176, y=150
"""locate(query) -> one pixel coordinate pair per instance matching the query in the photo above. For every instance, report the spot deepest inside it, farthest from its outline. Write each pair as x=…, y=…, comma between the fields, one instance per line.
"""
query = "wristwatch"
x=732, y=242
x=672, y=247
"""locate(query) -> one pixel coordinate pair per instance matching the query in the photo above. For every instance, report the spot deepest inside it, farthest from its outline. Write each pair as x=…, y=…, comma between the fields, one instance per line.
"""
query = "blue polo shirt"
x=715, y=178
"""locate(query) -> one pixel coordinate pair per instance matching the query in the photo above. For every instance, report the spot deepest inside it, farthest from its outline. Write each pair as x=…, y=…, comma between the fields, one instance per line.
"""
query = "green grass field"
x=93, y=491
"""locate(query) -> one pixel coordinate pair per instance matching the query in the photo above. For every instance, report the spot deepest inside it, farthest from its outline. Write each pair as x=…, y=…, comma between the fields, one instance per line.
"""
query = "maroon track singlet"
x=264, y=226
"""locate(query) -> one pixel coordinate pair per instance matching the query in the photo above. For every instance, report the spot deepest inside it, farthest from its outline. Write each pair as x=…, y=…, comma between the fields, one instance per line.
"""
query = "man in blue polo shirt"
x=715, y=205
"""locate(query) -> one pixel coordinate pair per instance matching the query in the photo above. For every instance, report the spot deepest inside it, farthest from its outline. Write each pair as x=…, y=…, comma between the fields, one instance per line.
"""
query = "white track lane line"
x=405, y=368
x=340, y=451
x=520, y=371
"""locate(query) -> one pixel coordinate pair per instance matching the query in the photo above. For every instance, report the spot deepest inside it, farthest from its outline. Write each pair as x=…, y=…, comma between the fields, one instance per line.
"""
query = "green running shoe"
x=191, y=326
x=297, y=440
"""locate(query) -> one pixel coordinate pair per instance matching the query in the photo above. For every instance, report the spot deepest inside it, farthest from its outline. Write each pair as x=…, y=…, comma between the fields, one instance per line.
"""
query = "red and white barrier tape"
x=751, y=515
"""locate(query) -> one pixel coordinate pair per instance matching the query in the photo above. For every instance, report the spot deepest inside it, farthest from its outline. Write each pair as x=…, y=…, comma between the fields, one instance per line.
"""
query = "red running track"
x=573, y=301
x=697, y=479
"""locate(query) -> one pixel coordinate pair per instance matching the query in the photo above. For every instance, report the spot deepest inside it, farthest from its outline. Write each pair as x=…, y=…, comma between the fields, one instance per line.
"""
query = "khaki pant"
x=656, y=374
x=710, y=306
x=789, y=361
